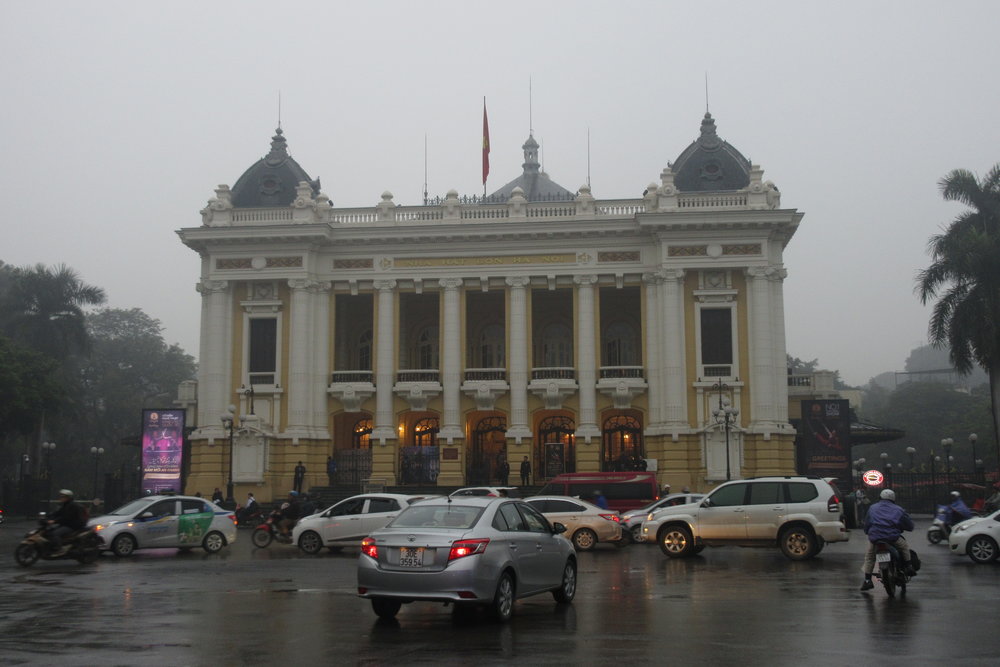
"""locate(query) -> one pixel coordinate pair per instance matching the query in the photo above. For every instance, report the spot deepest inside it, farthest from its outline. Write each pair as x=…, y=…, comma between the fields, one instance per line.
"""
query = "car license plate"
x=882, y=557
x=411, y=557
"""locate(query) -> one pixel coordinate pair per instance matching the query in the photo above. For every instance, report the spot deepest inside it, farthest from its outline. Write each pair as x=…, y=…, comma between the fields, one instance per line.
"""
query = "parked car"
x=797, y=514
x=977, y=538
x=586, y=524
x=632, y=520
x=349, y=521
x=474, y=551
x=624, y=491
x=491, y=491
x=161, y=521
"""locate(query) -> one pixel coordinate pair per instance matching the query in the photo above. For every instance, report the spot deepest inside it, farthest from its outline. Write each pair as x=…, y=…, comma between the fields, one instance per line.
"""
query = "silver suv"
x=797, y=514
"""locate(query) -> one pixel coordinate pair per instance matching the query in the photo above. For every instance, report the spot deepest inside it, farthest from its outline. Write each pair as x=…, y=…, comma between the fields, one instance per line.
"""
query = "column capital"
x=450, y=283
x=209, y=286
x=672, y=275
x=588, y=279
x=771, y=272
x=321, y=286
x=384, y=285
x=518, y=282
x=300, y=283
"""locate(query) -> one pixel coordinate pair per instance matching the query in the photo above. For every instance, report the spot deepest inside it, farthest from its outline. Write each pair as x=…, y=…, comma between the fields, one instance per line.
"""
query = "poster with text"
x=162, y=449
x=826, y=437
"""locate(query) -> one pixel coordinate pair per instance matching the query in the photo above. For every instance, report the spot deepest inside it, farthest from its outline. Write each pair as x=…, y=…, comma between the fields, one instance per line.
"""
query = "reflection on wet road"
x=634, y=606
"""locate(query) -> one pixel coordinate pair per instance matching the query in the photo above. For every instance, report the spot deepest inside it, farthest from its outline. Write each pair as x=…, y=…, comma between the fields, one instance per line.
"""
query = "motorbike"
x=84, y=546
x=890, y=570
x=944, y=518
x=249, y=517
x=268, y=532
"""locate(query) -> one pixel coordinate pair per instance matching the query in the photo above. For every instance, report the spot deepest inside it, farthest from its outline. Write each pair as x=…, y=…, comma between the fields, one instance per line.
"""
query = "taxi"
x=165, y=521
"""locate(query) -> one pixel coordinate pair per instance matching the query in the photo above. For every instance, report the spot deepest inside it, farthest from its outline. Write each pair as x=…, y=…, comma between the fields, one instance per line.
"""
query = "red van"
x=623, y=490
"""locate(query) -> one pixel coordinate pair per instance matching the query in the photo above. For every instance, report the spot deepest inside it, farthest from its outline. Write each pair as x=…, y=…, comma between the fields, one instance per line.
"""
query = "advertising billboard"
x=826, y=438
x=162, y=450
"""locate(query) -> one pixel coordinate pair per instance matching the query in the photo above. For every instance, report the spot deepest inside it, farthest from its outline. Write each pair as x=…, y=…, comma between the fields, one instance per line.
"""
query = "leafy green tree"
x=27, y=388
x=964, y=278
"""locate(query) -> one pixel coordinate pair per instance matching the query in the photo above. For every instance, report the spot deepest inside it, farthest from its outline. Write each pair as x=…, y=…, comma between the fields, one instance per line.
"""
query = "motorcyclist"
x=959, y=510
x=290, y=513
x=68, y=518
x=992, y=503
x=885, y=522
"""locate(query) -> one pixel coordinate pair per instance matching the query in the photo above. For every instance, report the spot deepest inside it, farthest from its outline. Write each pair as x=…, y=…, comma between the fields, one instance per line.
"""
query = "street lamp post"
x=97, y=453
x=228, y=422
x=725, y=415
x=946, y=443
x=911, y=451
x=972, y=441
x=48, y=448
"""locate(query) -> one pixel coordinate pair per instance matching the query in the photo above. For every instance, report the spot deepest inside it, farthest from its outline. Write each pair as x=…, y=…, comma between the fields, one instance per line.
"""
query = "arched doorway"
x=622, y=447
x=556, y=452
x=418, y=462
x=487, y=451
x=351, y=451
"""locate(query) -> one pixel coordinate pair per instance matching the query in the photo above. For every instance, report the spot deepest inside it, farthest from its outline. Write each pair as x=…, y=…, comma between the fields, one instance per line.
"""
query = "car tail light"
x=463, y=548
x=368, y=548
x=612, y=517
x=233, y=517
x=833, y=504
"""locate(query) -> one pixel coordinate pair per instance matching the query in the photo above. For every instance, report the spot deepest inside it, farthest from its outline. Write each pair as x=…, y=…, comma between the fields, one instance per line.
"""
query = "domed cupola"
x=272, y=180
x=710, y=163
x=535, y=183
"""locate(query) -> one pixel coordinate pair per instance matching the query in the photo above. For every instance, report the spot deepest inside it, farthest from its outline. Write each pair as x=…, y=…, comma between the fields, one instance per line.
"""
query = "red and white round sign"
x=873, y=477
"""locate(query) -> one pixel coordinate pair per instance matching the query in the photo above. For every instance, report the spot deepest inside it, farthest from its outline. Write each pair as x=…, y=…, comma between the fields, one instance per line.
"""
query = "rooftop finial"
x=279, y=110
x=531, y=123
x=706, y=91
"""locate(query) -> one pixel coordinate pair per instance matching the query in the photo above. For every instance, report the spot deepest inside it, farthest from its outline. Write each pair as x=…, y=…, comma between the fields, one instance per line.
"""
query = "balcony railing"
x=553, y=373
x=616, y=372
x=351, y=376
x=261, y=378
x=800, y=380
x=718, y=370
x=473, y=374
x=420, y=375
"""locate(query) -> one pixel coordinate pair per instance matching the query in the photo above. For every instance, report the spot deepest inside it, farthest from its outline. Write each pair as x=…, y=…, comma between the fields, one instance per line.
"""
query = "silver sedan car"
x=466, y=551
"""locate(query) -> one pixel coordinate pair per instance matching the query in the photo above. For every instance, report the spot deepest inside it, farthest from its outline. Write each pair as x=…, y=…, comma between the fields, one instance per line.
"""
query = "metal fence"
x=921, y=492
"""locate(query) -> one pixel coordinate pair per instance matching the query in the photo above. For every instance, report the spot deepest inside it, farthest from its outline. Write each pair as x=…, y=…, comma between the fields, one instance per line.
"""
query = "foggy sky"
x=121, y=118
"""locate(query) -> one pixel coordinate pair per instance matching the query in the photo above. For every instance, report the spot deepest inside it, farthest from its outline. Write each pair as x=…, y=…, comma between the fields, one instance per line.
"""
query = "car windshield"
x=131, y=508
x=460, y=517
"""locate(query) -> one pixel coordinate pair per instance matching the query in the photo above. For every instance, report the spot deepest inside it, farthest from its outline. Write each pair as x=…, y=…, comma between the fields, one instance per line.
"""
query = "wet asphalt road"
x=277, y=606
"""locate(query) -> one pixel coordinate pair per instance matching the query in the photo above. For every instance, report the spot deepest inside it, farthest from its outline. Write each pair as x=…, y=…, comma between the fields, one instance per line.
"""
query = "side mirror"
x=146, y=515
x=558, y=528
x=706, y=503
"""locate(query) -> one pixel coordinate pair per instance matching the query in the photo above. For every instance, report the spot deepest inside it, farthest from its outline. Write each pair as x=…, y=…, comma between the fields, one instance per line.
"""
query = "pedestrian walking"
x=331, y=470
x=525, y=471
x=300, y=475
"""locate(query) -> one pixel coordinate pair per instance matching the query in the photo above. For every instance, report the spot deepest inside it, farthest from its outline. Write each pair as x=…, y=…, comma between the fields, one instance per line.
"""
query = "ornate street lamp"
x=48, y=449
x=97, y=453
x=228, y=418
x=972, y=441
x=946, y=443
x=911, y=451
x=248, y=392
x=725, y=415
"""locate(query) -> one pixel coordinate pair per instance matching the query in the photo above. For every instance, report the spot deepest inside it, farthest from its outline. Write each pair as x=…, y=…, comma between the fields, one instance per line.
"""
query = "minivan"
x=623, y=490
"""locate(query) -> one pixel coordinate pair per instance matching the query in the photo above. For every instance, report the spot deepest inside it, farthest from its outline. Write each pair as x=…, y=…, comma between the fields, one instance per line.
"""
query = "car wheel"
x=502, y=607
x=310, y=542
x=676, y=541
x=213, y=542
x=567, y=589
x=123, y=546
x=982, y=549
x=386, y=608
x=584, y=539
x=798, y=543
x=636, y=532
x=26, y=554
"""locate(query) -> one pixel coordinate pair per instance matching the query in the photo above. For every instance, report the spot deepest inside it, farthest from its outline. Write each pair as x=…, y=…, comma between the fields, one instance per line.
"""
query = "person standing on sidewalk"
x=300, y=475
x=525, y=471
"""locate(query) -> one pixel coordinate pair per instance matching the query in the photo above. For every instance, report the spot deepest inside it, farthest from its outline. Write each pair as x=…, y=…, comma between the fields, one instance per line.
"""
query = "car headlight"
x=962, y=527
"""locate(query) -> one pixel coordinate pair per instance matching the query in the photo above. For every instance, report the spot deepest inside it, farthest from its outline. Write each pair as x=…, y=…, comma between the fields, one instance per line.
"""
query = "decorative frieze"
x=233, y=263
x=629, y=256
x=687, y=251
x=364, y=263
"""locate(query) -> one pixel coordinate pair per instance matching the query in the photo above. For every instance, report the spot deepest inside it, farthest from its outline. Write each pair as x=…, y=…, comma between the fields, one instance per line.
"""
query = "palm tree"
x=964, y=277
x=43, y=308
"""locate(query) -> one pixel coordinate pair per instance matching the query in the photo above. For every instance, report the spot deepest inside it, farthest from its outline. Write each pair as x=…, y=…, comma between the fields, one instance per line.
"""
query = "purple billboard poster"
x=162, y=445
x=826, y=435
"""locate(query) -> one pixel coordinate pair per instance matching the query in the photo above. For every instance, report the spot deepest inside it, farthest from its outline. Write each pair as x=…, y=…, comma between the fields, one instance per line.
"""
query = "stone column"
x=778, y=352
x=451, y=361
x=384, y=428
x=300, y=378
x=518, y=428
x=653, y=318
x=214, y=369
x=587, y=429
x=762, y=387
x=673, y=363
x=321, y=361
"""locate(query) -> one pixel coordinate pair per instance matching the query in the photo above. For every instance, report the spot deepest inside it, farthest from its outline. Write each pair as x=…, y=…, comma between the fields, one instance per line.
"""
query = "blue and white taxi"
x=167, y=521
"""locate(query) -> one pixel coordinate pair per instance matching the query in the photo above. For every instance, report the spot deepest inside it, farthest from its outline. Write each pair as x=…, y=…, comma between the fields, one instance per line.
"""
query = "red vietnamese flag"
x=486, y=144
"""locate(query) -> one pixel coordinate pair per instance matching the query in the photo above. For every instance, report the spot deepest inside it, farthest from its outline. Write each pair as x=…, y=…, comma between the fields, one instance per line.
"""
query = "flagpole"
x=486, y=147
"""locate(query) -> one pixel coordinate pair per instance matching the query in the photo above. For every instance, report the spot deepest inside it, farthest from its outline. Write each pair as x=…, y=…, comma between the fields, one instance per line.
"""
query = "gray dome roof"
x=710, y=163
x=535, y=183
x=272, y=180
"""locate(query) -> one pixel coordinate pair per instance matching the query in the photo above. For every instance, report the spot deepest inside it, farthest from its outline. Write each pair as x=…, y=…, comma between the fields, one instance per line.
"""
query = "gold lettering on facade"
x=508, y=260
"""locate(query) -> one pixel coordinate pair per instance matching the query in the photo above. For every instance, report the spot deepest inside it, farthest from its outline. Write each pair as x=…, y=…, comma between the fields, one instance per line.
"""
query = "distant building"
x=423, y=345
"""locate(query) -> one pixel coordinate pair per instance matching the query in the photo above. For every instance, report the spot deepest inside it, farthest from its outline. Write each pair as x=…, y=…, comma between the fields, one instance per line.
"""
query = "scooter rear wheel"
x=889, y=581
x=261, y=538
x=934, y=535
x=26, y=554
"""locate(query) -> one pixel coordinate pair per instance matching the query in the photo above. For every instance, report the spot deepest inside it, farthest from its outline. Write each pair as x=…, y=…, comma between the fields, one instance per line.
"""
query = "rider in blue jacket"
x=886, y=522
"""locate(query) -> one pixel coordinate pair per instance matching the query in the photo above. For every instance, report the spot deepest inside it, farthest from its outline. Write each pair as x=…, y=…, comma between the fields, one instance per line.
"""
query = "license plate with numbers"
x=411, y=557
x=882, y=557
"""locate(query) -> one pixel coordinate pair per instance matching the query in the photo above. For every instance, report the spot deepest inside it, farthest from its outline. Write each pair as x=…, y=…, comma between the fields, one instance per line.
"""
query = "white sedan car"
x=977, y=538
x=155, y=522
x=348, y=522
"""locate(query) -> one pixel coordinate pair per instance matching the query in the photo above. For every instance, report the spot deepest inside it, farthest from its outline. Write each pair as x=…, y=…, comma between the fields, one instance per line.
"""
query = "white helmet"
x=956, y=494
x=66, y=492
x=888, y=494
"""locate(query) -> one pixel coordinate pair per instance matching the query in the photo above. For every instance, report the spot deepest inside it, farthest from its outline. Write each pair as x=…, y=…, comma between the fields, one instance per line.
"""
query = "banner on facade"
x=826, y=438
x=162, y=450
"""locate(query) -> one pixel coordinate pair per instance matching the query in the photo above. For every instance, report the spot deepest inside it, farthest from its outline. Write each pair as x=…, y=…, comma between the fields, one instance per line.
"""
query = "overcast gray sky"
x=122, y=117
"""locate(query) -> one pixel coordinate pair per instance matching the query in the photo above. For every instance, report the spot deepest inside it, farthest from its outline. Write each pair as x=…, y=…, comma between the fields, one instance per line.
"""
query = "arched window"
x=361, y=434
x=556, y=346
x=622, y=443
x=364, y=356
x=621, y=345
x=427, y=348
x=488, y=452
x=556, y=449
x=490, y=347
x=425, y=432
